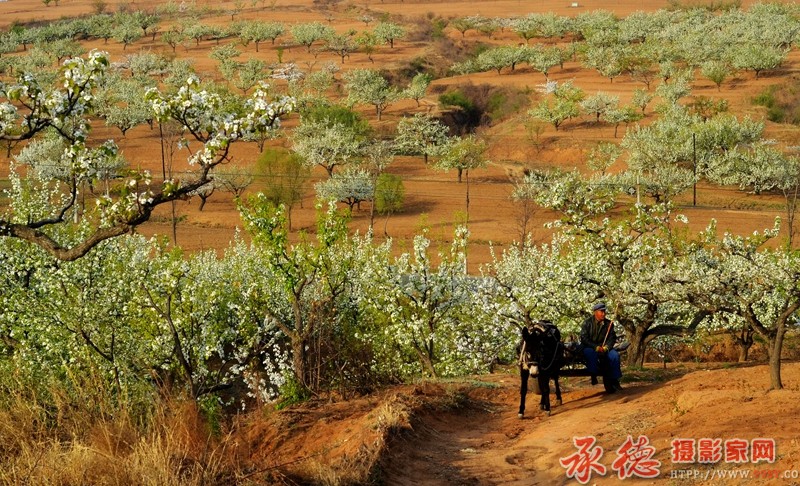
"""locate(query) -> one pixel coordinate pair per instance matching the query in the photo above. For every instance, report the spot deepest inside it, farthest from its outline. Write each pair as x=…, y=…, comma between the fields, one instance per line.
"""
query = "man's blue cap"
x=599, y=306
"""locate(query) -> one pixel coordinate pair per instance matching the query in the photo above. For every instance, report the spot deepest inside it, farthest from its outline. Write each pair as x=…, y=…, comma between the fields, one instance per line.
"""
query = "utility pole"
x=694, y=169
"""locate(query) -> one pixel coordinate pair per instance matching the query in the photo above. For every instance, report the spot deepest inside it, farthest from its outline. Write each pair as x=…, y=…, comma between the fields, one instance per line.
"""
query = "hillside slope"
x=467, y=432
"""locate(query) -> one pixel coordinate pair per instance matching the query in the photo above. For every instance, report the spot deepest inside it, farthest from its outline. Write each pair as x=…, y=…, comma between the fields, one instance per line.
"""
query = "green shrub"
x=480, y=105
x=506, y=102
x=782, y=102
x=389, y=194
x=211, y=410
x=338, y=114
x=438, y=25
x=292, y=392
x=458, y=99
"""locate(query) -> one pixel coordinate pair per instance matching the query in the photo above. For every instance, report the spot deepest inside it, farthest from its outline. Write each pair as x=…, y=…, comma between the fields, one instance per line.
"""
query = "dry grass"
x=389, y=417
x=60, y=442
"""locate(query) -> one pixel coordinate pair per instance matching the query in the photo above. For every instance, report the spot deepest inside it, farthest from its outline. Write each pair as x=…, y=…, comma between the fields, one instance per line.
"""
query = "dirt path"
x=484, y=443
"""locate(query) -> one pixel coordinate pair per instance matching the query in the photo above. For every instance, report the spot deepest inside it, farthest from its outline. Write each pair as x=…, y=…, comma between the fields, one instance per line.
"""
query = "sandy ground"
x=469, y=433
x=489, y=445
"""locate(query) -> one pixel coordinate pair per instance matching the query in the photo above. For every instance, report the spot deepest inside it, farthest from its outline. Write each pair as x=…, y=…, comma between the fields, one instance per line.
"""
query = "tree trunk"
x=775, y=344
x=386, y=223
x=299, y=360
x=743, y=341
x=174, y=224
x=637, y=348
x=372, y=209
x=744, y=352
x=426, y=360
x=299, y=337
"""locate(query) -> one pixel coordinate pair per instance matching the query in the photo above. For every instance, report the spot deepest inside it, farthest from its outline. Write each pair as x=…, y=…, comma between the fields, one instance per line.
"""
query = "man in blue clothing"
x=598, y=339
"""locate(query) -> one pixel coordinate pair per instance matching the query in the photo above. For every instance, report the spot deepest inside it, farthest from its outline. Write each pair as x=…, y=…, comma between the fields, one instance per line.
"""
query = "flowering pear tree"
x=578, y=201
x=311, y=290
x=370, y=87
x=309, y=33
x=526, y=27
x=70, y=318
x=640, y=63
x=29, y=108
x=173, y=38
x=389, y=32
x=378, y=154
x=248, y=74
x=486, y=334
x=499, y=57
x=757, y=57
x=463, y=154
x=180, y=307
x=625, y=114
x=641, y=98
x=421, y=302
x=564, y=104
x=629, y=263
x=598, y=104
x=258, y=32
x=554, y=112
x=464, y=24
x=418, y=86
x=666, y=155
x=126, y=33
x=351, y=186
x=757, y=284
x=599, y=27
x=763, y=167
x=121, y=102
x=607, y=60
x=716, y=72
x=662, y=182
x=421, y=134
x=603, y=156
x=633, y=264
x=144, y=64
x=543, y=59
x=533, y=283
x=342, y=45
x=326, y=144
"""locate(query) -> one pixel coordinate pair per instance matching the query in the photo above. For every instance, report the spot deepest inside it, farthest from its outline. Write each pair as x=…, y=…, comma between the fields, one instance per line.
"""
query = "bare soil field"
x=433, y=198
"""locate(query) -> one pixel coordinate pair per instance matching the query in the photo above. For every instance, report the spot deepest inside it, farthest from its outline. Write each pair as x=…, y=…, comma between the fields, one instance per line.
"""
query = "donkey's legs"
x=524, y=373
x=558, y=390
x=544, y=386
